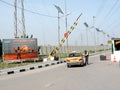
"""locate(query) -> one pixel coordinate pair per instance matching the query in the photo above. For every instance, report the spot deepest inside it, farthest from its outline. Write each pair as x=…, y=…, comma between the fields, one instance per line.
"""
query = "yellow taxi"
x=75, y=58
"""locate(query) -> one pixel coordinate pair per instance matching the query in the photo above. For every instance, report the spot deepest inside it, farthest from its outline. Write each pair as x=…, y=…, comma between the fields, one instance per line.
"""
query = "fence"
x=45, y=50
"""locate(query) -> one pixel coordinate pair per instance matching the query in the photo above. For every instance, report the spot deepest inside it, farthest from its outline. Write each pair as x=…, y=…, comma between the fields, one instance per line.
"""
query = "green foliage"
x=0, y=48
x=10, y=65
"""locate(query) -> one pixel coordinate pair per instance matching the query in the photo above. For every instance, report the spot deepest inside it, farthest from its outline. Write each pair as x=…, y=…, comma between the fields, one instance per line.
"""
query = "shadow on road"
x=77, y=66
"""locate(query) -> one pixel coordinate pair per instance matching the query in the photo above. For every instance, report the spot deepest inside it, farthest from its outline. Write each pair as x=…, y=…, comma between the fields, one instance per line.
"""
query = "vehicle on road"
x=115, y=56
x=75, y=58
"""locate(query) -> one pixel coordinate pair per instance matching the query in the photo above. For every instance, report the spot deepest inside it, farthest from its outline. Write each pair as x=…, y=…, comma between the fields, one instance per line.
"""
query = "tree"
x=0, y=48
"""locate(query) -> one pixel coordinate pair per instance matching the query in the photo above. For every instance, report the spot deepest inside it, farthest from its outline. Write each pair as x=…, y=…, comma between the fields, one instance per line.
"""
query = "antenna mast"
x=17, y=28
x=15, y=19
x=23, y=19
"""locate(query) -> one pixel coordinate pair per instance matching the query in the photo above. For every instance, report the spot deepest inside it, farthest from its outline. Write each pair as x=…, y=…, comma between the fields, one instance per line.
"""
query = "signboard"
x=20, y=49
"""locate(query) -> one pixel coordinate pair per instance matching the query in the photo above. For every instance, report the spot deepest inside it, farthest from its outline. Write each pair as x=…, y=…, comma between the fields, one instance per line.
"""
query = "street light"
x=66, y=22
x=86, y=25
x=59, y=11
x=94, y=33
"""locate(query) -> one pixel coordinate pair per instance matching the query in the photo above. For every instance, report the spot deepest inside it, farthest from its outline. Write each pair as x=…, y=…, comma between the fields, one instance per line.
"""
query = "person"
x=18, y=53
x=86, y=54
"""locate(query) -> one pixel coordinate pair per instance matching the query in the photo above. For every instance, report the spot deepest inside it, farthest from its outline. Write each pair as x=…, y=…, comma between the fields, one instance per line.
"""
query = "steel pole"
x=58, y=28
x=66, y=22
x=94, y=32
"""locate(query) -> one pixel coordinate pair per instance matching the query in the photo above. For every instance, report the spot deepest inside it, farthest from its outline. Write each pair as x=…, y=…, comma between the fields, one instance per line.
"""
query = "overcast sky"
x=41, y=20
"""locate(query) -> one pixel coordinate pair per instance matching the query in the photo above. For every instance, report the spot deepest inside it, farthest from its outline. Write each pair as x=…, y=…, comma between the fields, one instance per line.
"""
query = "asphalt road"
x=98, y=75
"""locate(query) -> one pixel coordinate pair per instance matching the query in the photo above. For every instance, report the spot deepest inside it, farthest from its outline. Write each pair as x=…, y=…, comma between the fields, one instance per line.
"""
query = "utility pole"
x=15, y=19
x=22, y=20
x=94, y=32
x=66, y=21
x=59, y=11
x=86, y=25
x=58, y=27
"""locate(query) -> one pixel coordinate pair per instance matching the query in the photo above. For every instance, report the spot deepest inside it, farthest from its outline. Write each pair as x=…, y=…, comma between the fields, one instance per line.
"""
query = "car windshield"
x=74, y=54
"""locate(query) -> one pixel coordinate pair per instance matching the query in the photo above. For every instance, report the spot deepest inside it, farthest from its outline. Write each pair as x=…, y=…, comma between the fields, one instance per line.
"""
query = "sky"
x=41, y=20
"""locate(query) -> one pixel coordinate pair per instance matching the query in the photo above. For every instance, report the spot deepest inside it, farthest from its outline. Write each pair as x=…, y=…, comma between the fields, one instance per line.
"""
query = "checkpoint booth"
x=115, y=56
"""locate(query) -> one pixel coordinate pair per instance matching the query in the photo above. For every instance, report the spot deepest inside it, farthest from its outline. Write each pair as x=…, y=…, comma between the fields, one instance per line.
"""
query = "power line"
x=115, y=12
x=112, y=8
x=109, y=14
x=101, y=8
x=28, y=10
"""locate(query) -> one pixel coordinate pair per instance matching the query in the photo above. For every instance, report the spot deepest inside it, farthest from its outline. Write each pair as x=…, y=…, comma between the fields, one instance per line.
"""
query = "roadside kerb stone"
x=28, y=67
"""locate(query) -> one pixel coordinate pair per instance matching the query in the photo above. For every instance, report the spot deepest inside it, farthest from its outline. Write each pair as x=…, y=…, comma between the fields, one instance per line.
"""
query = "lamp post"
x=94, y=33
x=86, y=25
x=66, y=22
x=104, y=39
x=59, y=11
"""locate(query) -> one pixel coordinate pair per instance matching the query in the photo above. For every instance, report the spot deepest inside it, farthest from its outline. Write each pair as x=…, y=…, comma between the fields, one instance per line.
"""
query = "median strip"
x=29, y=67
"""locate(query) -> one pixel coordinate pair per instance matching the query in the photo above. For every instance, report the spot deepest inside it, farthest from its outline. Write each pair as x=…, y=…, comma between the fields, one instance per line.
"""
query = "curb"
x=29, y=67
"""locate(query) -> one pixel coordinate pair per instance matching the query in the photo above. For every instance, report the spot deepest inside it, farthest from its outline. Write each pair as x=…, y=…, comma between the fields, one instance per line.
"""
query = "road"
x=98, y=75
